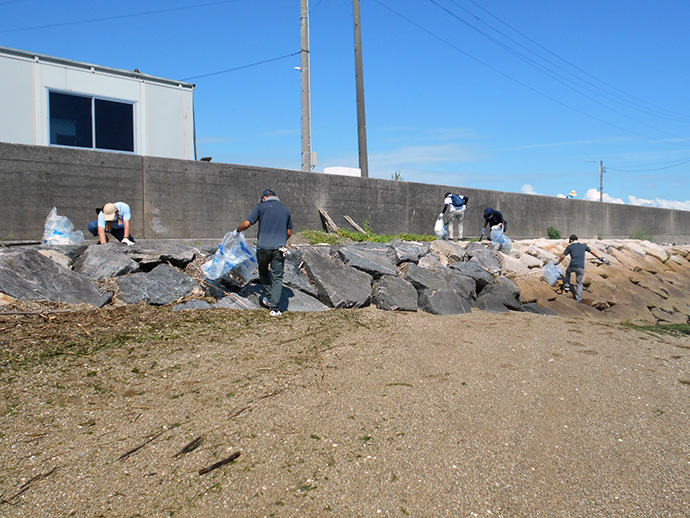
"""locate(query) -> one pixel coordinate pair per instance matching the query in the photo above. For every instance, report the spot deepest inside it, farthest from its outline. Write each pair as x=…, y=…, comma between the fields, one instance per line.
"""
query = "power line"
x=243, y=66
x=118, y=17
x=648, y=170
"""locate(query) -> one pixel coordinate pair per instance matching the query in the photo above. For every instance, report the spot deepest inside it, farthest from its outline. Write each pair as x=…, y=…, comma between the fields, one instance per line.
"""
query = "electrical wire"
x=647, y=170
x=243, y=66
x=118, y=17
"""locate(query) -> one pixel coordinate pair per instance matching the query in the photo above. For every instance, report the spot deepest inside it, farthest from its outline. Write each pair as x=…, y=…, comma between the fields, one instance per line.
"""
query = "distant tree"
x=397, y=176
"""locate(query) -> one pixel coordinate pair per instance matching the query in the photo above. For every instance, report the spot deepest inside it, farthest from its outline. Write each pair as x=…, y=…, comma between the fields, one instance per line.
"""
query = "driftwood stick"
x=355, y=225
x=193, y=445
x=328, y=222
x=137, y=448
x=220, y=463
x=26, y=485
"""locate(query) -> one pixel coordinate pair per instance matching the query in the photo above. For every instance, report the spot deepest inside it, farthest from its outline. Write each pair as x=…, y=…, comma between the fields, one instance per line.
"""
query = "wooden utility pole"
x=359, y=77
x=601, y=180
x=306, y=88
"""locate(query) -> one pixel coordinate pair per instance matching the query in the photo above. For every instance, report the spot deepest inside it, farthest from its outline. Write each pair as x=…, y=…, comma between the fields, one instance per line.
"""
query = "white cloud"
x=561, y=196
x=593, y=195
x=658, y=202
x=527, y=189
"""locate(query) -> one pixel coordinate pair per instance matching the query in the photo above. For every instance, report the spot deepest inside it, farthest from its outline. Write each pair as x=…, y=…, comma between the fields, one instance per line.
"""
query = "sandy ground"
x=356, y=413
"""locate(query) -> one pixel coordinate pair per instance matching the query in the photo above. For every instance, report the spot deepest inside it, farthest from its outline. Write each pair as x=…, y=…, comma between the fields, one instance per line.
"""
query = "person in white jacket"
x=455, y=205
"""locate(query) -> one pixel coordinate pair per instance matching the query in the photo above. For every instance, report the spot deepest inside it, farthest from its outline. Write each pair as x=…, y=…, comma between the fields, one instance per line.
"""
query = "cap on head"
x=573, y=237
x=447, y=194
x=488, y=213
x=110, y=212
x=268, y=192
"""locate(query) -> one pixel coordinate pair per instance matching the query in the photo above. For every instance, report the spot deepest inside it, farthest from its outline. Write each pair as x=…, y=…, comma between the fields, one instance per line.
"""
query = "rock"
x=453, y=251
x=531, y=261
x=654, y=250
x=151, y=255
x=105, y=261
x=509, y=285
x=501, y=294
x=537, y=309
x=406, y=252
x=544, y=256
x=423, y=278
x=473, y=270
x=374, y=261
x=28, y=275
x=235, y=301
x=58, y=257
x=192, y=304
x=296, y=300
x=443, y=302
x=463, y=285
x=294, y=277
x=163, y=285
x=515, y=267
x=669, y=318
x=337, y=286
x=393, y=293
x=484, y=256
x=433, y=260
x=491, y=304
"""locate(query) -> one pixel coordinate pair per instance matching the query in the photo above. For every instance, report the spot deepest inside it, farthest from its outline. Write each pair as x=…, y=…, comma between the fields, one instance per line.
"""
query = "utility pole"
x=306, y=89
x=601, y=180
x=359, y=78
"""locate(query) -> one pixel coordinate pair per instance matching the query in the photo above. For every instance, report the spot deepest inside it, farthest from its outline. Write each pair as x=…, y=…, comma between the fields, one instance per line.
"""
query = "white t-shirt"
x=124, y=214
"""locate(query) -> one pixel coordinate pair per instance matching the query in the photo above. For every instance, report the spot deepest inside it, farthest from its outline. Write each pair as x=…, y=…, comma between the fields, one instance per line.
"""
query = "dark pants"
x=271, y=265
x=117, y=233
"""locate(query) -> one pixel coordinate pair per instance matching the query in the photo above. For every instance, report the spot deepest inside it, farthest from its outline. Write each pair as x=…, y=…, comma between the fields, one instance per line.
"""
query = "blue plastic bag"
x=551, y=272
x=233, y=255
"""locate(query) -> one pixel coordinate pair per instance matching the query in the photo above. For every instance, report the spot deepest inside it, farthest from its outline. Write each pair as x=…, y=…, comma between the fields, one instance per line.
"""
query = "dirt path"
x=345, y=413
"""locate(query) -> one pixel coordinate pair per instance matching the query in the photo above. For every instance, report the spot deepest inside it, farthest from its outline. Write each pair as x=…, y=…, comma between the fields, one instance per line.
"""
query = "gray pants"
x=579, y=279
x=271, y=266
x=456, y=218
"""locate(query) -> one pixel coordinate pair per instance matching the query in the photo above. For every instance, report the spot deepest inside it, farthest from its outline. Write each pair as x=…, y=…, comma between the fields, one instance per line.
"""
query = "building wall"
x=163, y=109
x=178, y=199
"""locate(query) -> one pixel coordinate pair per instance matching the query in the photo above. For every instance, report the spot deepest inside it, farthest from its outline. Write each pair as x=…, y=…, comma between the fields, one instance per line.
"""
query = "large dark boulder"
x=150, y=255
x=405, y=252
x=337, y=285
x=423, y=278
x=443, y=302
x=162, y=285
x=100, y=262
x=495, y=293
x=394, y=293
x=27, y=274
x=483, y=256
x=463, y=285
x=294, y=277
x=372, y=260
x=481, y=276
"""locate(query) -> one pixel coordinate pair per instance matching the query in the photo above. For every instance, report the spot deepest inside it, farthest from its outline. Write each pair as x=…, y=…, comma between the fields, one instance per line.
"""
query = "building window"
x=79, y=121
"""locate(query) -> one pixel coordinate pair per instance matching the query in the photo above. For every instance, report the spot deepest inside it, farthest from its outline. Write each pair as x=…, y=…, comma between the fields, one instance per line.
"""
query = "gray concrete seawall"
x=180, y=199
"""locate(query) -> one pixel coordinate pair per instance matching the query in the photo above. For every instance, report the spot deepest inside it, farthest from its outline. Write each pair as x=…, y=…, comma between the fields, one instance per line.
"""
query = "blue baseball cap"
x=488, y=213
x=268, y=192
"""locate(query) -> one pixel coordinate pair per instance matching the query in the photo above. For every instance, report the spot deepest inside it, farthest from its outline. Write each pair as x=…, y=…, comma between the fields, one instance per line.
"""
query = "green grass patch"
x=668, y=329
x=344, y=235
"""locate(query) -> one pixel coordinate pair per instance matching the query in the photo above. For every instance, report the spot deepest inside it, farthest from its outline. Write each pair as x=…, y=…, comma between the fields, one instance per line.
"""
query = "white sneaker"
x=275, y=313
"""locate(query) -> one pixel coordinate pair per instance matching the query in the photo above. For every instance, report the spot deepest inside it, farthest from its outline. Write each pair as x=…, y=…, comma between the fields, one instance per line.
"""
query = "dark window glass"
x=114, y=125
x=70, y=120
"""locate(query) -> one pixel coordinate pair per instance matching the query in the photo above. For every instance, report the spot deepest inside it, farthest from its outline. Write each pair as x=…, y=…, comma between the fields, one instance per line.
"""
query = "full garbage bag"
x=501, y=242
x=551, y=272
x=233, y=255
x=440, y=228
x=59, y=230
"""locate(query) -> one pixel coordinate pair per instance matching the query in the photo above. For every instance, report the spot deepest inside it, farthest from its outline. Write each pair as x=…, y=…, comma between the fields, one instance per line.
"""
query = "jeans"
x=579, y=278
x=271, y=266
x=117, y=233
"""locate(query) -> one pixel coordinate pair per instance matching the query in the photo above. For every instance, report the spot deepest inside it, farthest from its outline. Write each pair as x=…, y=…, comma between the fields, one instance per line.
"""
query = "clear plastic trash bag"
x=234, y=255
x=59, y=230
x=551, y=272
x=440, y=228
x=501, y=242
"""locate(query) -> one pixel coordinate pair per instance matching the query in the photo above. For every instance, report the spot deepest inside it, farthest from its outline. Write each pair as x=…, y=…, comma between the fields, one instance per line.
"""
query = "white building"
x=50, y=101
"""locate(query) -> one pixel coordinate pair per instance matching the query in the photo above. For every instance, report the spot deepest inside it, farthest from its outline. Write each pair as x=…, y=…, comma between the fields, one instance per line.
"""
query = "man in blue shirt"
x=576, y=251
x=275, y=228
x=492, y=217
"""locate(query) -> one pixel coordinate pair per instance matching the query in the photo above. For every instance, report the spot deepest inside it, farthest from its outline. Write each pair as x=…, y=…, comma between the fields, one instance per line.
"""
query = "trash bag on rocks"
x=440, y=228
x=501, y=242
x=59, y=230
x=551, y=272
x=234, y=255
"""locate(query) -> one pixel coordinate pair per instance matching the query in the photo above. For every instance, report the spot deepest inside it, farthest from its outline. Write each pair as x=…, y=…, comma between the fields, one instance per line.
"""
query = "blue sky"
x=490, y=94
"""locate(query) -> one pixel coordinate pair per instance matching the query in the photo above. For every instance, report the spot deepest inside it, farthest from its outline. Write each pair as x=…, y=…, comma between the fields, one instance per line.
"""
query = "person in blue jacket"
x=275, y=228
x=492, y=217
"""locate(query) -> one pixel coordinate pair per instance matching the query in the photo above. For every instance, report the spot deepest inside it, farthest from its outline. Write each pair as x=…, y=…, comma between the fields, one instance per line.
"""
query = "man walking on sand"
x=576, y=251
x=275, y=228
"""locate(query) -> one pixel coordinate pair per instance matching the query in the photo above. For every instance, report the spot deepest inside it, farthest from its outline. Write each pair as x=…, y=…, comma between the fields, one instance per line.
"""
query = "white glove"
x=235, y=233
x=127, y=241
